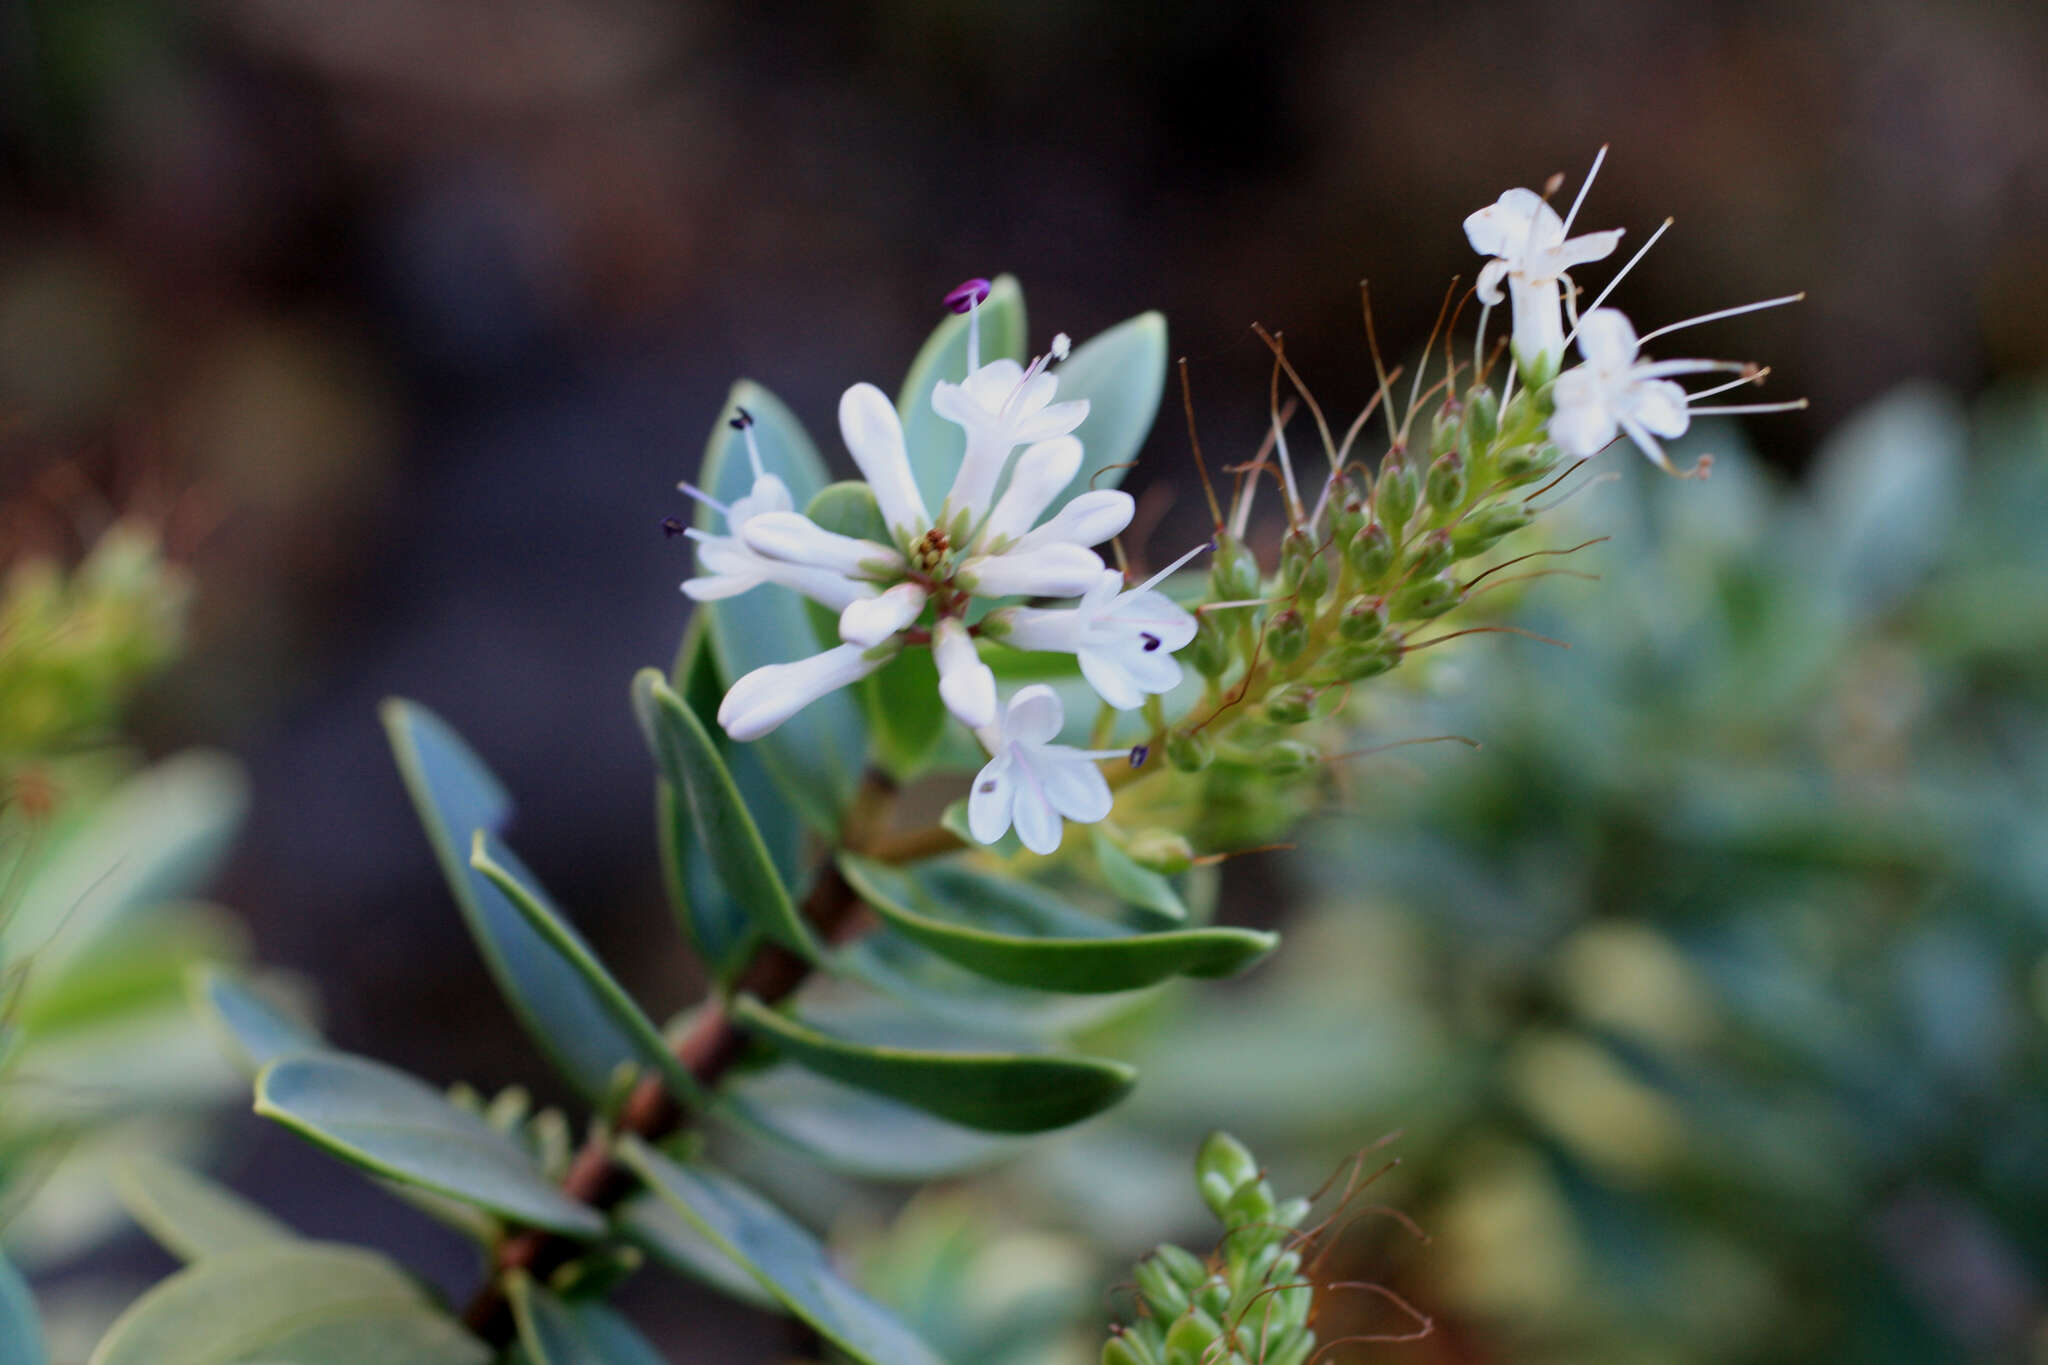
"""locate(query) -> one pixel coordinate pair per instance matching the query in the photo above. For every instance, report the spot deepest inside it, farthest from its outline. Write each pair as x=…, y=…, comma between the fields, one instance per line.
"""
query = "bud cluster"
x=1248, y=1303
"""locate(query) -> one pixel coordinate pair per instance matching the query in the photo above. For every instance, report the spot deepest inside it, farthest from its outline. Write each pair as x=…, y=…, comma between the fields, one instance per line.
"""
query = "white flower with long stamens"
x=1124, y=640
x=1032, y=783
x=1000, y=405
x=771, y=694
x=1532, y=251
x=966, y=684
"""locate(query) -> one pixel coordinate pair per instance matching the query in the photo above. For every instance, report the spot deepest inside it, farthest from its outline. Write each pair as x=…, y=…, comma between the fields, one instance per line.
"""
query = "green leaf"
x=937, y=446
x=491, y=858
x=189, y=1215
x=255, y=1032
x=387, y=1122
x=456, y=795
x=785, y=1258
x=155, y=838
x=817, y=756
x=1140, y=886
x=303, y=1303
x=1025, y=936
x=557, y=1333
x=723, y=826
x=673, y=1240
x=996, y=1092
x=1122, y=373
x=21, y=1331
x=850, y=1130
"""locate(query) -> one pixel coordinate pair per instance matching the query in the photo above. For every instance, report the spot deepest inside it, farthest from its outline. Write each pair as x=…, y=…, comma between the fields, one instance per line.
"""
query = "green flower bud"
x=1189, y=1339
x=1164, y=1294
x=1210, y=650
x=1446, y=489
x=1482, y=420
x=1233, y=571
x=1253, y=1203
x=1185, y=1265
x=1161, y=850
x=1363, y=619
x=1393, y=497
x=1485, y=527
x=1213, y=1297
x=1426, y=598
x=1188, y=751
x=1286, y=635
x=1528, y=463
x=1283, y=758
x=1224, y=1156
x=1370, y=553
x=1446, y=427
x=1126, y=1350
x=1347, y=518
x=1430, y=556
x=1368, y=659
x=1291, y=704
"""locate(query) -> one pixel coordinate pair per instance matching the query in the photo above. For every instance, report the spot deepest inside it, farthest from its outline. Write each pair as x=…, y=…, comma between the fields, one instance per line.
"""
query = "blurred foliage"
x=1711, y=993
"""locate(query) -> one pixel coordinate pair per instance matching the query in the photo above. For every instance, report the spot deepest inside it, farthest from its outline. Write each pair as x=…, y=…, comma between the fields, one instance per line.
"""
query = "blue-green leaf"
x=189, y=1215
x=255, y=1031
x=784, y=1257
x=847, y=1129
x=1136, y=884
x=302, y=1303
x=722, y=824
x=21, y=1331
x=999, y=1092
x=494, y=860
x=398, y=1127
x=556, y=1333
x=653, y=1225
x=1122, y=373
x=817, y=756
x=937, y=446
x=456, y=795
x=1011, y=931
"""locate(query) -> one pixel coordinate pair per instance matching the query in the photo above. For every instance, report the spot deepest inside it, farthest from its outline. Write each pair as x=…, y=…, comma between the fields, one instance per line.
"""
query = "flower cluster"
x=940, y=577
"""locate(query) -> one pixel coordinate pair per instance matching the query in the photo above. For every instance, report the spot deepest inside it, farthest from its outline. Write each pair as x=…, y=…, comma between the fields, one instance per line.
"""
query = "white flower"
x=770, y=695
x=872, y=620
x=1531, y=253
x=1053, y=570
x=1031, y=782
x=795, y=538
x=874, y=437
x=1614, y=392
x=1125, y=641
x=966, y=684
x=1000, y=405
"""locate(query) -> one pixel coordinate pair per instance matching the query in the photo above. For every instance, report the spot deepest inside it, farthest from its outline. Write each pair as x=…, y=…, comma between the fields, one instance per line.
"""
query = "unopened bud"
x=1286, y=635
x=1253, y=1203
x=1482, y=421
x=1446, y=428
x=1188, y=750
x=1285, y=757
x=1302, y=570
x=1528, y=463
x=1447, y=482
x=1366, y=659
x=1393, y=496
x=1370, y=553
x=1485, y=526
x=1192, y=1338
x=1431, y=555
x=1161, y=850
x=1224, y=1156
x=1290, y=705
x=1234, y=570
x=1363, y=619
x=1209, y=651
x=1427, y=598
x=1125, y=1350
x=1163, y=1294
x=1185, y=1265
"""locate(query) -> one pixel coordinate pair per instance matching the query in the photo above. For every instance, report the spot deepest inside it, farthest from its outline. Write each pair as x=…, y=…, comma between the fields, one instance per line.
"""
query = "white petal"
x=768, y=696
x=988, y=805
x=1503, y=228
x=1043, y=471
x=1105, y=673
x=1055, y=420
x=769, y=494
x=1055, y=570
x=1607, y=340
x=874, y=437
x=1593, y=246
x=991, y=386
x=1582, y=430
x=1060, y=630
x=1072, y=783
x=1152, y=671
x=1038, y=824
x=1152, y=612
x=796, y=539
x=1490, y=276
x=1088, y=519
x=869, y=622
x=1659, y=405
x=1034, y=716
x=966, y=684
x=1647, y=443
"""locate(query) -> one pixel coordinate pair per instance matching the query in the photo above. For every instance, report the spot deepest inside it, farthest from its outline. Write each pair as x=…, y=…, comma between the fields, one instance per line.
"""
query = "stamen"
x=744, y=425
x=967, y=298
x=1152, y=641
x=1156, y=579
x=672, y=527
x=1622, y=273
x=1796, y=405
x=1139, y=753
x=1750, y=376
x=1669, y=327
x=1587, y=185
x=701, y=496
x=1062, y=345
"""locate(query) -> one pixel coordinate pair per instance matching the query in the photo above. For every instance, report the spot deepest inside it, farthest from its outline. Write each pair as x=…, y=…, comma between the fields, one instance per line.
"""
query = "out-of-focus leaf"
x=21, y=1331
x=1887, y=485
x=302, y=1303
x=723, y=826
x=818, y=755
x=937, y=446
x=389, y=1123
x=996, y=1092
x=654, y=1224
x=456, y=795
x=784, y=1257
x=557, y=1333
x=1013, y=932
x=851, y=1130
x=1139, y=886
x=490, y=857
x=1122, y=373
x=189, y=1215
x=255, y=1031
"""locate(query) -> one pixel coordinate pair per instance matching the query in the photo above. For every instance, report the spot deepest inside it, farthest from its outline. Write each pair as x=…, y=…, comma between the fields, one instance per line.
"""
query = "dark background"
x=408, y=314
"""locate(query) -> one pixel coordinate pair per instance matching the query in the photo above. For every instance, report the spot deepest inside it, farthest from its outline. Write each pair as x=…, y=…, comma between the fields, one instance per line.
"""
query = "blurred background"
x=402, y=321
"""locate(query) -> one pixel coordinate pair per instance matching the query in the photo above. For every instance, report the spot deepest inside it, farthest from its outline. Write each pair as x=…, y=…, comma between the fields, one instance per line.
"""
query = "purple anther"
x=1151, y=640
x=964, y=297
x=672, y=527
x=1139, y=753
x=741, y=422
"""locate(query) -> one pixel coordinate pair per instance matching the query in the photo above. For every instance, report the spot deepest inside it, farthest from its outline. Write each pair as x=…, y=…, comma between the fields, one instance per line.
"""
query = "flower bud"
x=1528, y=463
x=1370, y=553
x=1213, y=1297
x=1431, y=555
x=1224, y=1156
x=1347, y=518
x=1302, y=569
x=1185, y=1265
x=1393, y=497
x=1125, y=1350
x=1485, y=527
x=1163, y=1294
x=1234, y=570
x=1161, y=850
x=1283, y=758
x=1426, y=598
x=1290, y=705
x=1286, y=635
x=1363, y=619
x=1192, y=1338
x=1253, y=1203
x=1482, y=421
x=1188, y=751
x=1446, y=488
x=1446, y=427
x=1209, y=651
x=1367, y=659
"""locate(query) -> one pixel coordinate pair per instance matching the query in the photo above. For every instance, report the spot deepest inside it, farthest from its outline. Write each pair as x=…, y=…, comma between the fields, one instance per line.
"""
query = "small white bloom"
x=1058, y=569
x=872, y=620
x=966, y=684
x=874, y=437
x=1087, y=520
x=794, y=537
x=1615, y=393
x=1031, y=782
x=1042, y=472
x=1000, y=405
x=1125, y=641
x=770, y=695
x=1531, y=253
x=728, y=566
